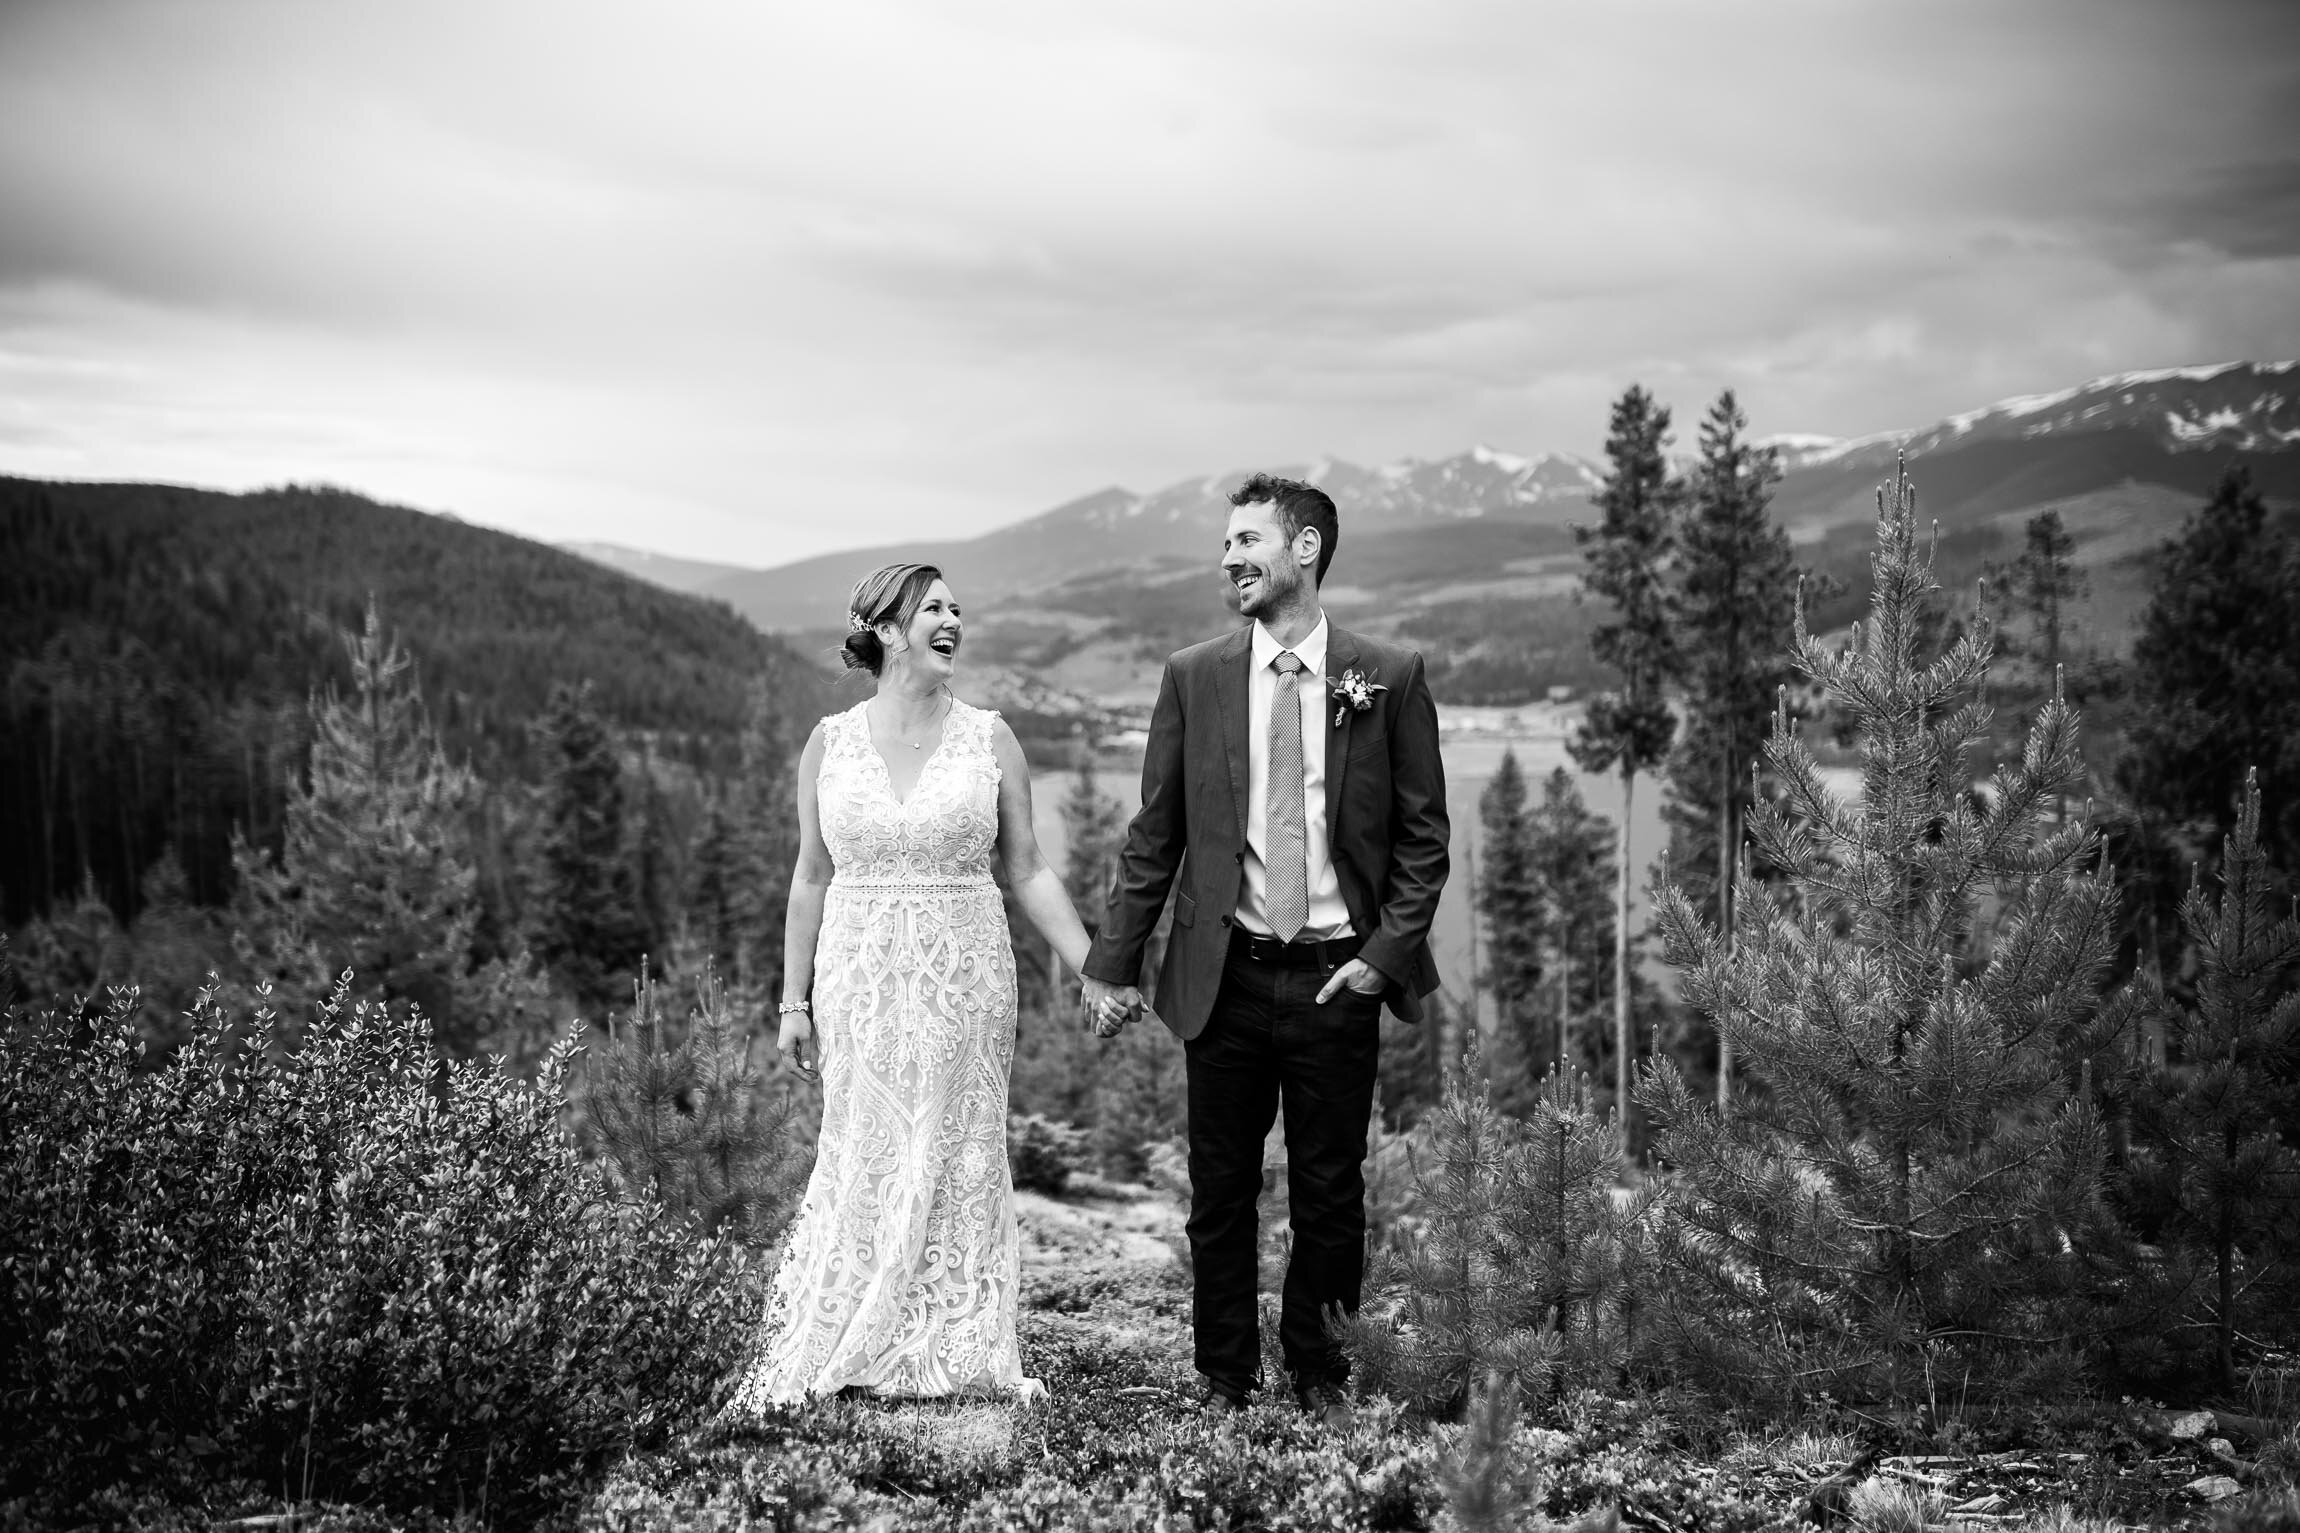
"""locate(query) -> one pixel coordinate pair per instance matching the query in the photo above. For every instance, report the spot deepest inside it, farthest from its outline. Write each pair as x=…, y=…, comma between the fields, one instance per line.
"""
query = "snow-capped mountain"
x=1487, y=517
x=2244, y=406
x=1113, y=529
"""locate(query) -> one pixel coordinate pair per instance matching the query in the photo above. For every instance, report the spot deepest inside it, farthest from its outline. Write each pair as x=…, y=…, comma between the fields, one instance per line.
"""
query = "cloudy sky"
x=747, y=281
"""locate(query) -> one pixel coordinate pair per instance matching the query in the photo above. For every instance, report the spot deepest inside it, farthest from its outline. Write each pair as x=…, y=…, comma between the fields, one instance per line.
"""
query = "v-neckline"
x=886, y=768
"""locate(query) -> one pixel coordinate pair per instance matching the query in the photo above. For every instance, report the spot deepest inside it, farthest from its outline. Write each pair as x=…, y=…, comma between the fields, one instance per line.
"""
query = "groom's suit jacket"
x=1386, y=824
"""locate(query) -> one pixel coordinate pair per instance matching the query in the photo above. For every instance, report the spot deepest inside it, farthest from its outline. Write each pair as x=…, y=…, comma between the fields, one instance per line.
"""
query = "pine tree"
x=746, y=853
x=648, y=851
x=2039, y=586
x=690, y=1124
x=374, y=872
x=1733, y=608
x=1629, y=729
x=1520, y=1265
x=1093, y=832
x=2215, y=691
x=592, y=932
x=1909, y=1191
x=2212, y=1155
x=1569, y=852
x=1516, y=924
x=710, y=899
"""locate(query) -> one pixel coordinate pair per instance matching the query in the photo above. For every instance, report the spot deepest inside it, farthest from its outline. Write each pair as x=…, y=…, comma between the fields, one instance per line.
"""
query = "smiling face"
x=928, y=645
x=1269, y=573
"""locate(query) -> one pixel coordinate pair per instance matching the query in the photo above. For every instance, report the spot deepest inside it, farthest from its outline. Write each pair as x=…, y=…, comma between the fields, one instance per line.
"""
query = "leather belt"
x=1301, y=953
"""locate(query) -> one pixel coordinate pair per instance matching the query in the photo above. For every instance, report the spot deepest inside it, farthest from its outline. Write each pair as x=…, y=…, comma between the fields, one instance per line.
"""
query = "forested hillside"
x=159, y=644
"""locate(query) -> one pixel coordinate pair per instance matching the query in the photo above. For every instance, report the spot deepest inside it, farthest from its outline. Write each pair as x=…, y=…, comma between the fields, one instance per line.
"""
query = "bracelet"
x=788, y=1007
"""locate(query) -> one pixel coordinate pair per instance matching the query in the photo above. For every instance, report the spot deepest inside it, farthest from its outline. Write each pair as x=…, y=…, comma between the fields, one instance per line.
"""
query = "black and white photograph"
x=940, y=768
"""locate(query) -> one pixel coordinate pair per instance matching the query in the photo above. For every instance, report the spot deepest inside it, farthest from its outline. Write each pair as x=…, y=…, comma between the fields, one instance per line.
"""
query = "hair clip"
x=855, y=623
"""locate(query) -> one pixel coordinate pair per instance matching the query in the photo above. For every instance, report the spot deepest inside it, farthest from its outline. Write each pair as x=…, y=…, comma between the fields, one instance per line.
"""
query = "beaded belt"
x=912, y=885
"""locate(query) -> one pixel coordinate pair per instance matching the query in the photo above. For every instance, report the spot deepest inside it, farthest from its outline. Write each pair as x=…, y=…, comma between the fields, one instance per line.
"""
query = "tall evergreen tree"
x=2212, y=1161
x=763, y=842
x=2038, y=587
x=711, y=895
x=1569, y=853
x=593, y=933
x=1734, y=601
x=1904, y=1194
x=2215, y=691
x=1131, y=1086
x=1516, y=925
x=656, y=884
x=374, y=872
x=1628, y=729
x=1093, y=831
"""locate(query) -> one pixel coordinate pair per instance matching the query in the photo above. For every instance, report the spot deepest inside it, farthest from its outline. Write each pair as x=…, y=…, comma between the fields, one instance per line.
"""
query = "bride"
x=903, y=1265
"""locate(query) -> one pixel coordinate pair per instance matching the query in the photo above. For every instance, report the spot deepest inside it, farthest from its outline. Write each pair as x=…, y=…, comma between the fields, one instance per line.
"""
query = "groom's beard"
x=1265, y=598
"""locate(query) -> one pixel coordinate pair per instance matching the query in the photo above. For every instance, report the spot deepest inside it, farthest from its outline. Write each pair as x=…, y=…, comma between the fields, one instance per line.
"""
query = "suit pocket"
x=1364, y=746
x=1185, y=909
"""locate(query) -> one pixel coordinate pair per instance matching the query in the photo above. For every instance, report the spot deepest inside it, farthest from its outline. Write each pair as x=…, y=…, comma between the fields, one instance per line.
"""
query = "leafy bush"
x=345, y=1271
x=1043, y=1155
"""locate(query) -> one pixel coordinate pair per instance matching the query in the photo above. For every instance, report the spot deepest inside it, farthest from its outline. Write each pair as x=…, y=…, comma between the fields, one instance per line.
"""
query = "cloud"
x=748, y=281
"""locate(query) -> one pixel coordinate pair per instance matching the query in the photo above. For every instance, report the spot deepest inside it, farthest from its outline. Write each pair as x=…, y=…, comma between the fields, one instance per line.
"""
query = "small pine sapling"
x=690, y=1124
x=2211, y=1156
x=1906, y=1196
x=1520, y=1252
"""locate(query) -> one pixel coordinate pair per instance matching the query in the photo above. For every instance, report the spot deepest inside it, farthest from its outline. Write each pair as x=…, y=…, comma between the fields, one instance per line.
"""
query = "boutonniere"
x=1354, y=692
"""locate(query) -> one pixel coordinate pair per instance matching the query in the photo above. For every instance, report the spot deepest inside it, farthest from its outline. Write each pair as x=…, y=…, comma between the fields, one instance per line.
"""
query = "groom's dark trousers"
x=1268, y=1040
x=1246, y=1008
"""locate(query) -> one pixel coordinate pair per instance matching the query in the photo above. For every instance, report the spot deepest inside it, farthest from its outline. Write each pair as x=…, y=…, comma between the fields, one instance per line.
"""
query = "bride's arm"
x=1037, y=887
x=803, y=918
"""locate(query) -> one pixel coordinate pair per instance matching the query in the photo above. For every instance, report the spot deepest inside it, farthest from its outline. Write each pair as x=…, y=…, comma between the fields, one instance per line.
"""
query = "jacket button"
x=1238, y=857
x=1225, y=920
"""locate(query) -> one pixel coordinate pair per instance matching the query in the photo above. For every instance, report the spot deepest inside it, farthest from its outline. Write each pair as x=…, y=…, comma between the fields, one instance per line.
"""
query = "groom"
x=1294, y=802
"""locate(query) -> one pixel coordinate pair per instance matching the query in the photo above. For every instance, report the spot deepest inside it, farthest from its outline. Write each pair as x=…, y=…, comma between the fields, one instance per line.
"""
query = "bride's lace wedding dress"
x=903, y=1264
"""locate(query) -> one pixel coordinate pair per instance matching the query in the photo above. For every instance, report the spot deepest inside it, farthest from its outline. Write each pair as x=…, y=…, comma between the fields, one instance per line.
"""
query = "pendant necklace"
x=919, y=745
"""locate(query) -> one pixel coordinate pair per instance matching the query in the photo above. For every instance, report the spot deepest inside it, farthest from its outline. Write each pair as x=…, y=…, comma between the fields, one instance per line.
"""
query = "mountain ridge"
x=2166, y=426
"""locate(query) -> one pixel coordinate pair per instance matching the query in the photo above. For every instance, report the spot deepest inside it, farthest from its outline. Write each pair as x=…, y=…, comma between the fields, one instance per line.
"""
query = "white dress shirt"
x=1329, y=917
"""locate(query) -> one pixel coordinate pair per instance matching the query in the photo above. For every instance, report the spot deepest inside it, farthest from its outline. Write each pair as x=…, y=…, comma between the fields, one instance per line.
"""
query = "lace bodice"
x=945, y=833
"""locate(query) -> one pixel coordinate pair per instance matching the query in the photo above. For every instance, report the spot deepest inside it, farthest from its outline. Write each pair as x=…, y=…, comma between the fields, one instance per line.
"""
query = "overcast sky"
x=748, y=281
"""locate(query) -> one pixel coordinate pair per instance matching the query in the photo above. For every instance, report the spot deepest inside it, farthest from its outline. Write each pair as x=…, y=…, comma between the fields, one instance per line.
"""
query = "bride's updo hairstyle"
x=893, y=594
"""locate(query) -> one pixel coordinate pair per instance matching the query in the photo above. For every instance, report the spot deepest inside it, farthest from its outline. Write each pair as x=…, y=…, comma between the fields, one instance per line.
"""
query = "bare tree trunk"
x=1565, y=1006
x=1726, y=847
x=1474, y=1027
x=1621, y=1064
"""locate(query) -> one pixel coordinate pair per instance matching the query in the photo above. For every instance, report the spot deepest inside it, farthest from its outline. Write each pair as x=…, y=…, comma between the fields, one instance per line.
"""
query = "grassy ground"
x=1119, y=1443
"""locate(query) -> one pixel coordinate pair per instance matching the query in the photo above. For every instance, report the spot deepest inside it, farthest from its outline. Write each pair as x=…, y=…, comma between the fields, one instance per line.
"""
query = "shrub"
x=341, y=1271
x=1043, y=1155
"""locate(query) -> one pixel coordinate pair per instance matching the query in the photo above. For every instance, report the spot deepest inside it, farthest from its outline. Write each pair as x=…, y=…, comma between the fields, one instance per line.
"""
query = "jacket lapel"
x=1341, y=654
x=1230, y=665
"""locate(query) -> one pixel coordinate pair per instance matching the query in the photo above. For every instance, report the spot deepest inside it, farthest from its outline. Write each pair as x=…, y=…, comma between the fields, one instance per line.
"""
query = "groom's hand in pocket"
x=1357, y=975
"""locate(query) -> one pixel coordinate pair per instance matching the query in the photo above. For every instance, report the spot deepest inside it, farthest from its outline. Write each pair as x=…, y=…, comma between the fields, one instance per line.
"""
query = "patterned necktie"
x=1287, y=854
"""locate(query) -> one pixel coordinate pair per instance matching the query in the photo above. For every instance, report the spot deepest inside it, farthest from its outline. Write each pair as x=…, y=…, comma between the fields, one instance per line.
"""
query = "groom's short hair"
x=1299, y=505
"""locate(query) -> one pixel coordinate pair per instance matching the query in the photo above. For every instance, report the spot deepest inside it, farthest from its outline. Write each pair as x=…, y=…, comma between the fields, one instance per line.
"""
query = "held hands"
x=1104, y=1008
x=1357, y=975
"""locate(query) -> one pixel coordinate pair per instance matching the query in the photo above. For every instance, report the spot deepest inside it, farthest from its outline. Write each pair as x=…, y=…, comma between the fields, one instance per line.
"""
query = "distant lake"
x=1473, y=745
